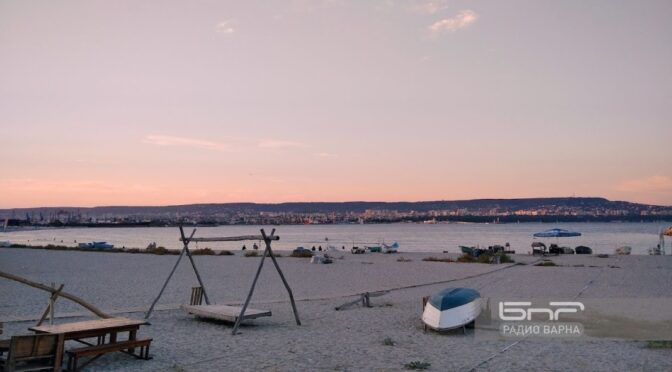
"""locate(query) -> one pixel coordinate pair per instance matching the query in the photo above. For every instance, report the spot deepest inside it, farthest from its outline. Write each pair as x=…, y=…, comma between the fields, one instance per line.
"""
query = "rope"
x=493, y=356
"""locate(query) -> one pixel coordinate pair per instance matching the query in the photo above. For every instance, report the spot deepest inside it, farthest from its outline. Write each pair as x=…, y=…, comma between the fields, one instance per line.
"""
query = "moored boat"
x=96, y=245
x=392, y=248
x=452, y=308
x=472, y=251
x=373, y=248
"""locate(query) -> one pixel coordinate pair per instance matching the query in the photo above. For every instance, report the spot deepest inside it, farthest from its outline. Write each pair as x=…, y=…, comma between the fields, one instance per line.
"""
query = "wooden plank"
x=231, y=238
x=224, y=312
x=98, y=324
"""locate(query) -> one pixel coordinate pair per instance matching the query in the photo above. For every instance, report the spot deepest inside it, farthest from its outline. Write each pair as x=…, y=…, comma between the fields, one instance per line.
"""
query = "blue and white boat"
x=452, y=308
x=392, y=248
x=96, y=245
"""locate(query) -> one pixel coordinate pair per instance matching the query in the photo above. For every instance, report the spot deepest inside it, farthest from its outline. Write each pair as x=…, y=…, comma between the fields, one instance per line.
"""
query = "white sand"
x=333, y=340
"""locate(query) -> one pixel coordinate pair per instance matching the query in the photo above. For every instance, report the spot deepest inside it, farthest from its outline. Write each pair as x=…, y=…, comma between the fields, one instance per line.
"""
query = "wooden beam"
x=49, y=308
x=151, y=308
x=267, y=240
x=69, y=296
x=193, y=264
x=231, y=238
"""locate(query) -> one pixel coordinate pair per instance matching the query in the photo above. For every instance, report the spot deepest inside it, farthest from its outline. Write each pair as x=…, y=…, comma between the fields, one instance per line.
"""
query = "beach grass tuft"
x=438, y=259
x=417, y=365
x=224, y=252
x=203, y=252
x=659, y=344
x=403, y=259
x=387, y=341
x=251, y=254
x=545, y=263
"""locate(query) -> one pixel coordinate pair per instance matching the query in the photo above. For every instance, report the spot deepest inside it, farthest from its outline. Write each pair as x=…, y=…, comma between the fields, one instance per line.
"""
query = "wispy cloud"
x=159, y=140
x=648, y=184
x=430, y=7
x=463, y=19
x=280, y=144
x=326, y=155
x=225, y=27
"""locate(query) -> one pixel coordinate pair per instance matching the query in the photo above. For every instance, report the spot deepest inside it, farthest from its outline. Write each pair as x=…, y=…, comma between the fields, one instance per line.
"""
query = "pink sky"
x=127, y=103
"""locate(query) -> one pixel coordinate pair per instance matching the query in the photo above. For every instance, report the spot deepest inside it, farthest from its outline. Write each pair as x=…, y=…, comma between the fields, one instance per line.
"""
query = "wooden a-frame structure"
x=268, y=251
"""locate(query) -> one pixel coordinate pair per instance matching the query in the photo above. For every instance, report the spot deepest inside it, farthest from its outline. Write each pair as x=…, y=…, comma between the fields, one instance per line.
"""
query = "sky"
x=172, y=102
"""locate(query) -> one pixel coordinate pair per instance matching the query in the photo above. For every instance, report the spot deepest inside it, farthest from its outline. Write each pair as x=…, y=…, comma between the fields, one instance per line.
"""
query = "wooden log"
x=231, y=238
x=165, y=284
x=69, y=296
x=249, y=295
x=193, y=264
x=267, y=240
x=49, y=308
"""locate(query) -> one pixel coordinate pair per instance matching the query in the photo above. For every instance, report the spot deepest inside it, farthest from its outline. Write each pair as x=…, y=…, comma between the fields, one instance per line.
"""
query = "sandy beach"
x=346, y=340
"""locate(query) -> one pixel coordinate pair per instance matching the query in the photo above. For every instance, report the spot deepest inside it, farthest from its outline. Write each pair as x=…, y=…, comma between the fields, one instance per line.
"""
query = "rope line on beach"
x=502, y=351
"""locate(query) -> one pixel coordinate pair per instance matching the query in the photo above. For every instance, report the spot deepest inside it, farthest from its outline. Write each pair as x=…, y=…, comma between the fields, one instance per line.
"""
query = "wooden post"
x=69, y=296
x=249, y=295
x=151, y=308
x=193, y=264
x=49, y=308
x=267, y=240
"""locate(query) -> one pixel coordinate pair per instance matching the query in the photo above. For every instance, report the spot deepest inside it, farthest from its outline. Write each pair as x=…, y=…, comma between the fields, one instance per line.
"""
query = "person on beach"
x=255, y=246
x=313, y=249
x=244, y=247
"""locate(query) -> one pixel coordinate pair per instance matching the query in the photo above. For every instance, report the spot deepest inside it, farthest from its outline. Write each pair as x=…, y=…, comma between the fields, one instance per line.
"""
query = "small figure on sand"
x=244, y=247
x=320, y=248
x=313, y=249
x=255, y=246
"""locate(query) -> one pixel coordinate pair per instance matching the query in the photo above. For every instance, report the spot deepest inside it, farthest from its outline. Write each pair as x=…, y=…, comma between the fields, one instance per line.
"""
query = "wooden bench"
x=96, y=351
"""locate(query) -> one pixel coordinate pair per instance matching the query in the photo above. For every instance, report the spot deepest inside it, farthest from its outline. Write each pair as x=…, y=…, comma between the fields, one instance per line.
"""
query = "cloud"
x=659, y=184
x=159, y=140
x=279, y=144
x=463, y=19
x=225, y=27
x=431, y=7
x=326, y=155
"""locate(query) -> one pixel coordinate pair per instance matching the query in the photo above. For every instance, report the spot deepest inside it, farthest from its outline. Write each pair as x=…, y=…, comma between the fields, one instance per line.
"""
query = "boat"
x=392, y=248
x=582, y=249
x=5, y=244
x=472, y=251
x=452, y=308
x=373, y=248
x=653, y=251
x=555, y=249
x=96, y=245
x=623, y=251
x=357, y=250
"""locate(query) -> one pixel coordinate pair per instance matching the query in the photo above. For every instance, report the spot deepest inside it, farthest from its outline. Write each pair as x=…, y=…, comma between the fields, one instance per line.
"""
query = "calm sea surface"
x=602, y=237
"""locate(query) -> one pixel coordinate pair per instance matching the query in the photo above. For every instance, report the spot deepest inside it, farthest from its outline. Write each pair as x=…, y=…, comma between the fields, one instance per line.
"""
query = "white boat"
x=5, y=244
x=452, y=308
x=655, y=251
x=392, y=248
x=623, y=251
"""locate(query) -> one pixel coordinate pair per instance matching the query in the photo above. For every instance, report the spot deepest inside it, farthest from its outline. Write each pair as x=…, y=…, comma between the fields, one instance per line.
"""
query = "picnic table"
x=106, y=331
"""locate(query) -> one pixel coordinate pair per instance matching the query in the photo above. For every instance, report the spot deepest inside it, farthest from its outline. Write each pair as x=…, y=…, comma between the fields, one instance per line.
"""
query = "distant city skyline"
x=173, y=102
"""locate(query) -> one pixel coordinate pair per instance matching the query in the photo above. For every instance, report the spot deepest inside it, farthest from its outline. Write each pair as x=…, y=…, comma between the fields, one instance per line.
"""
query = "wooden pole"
x=69, y=296
x=249, y=295
x=267, y=240
x=46, y=312
x=193, y=264
x=151, y=308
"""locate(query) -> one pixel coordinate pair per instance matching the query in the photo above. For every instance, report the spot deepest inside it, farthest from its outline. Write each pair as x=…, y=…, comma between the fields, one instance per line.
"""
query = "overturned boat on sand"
x=452, y=308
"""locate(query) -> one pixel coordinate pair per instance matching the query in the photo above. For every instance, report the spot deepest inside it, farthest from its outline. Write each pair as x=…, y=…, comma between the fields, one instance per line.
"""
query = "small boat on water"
x=96, y=245
x=5, y=244
x=582, y=249
x=452, y=308
x=623, y=251
x=392, y=248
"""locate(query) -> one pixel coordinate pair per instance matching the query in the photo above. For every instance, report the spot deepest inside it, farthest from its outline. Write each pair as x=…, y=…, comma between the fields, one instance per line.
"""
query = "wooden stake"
x=284, y=281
